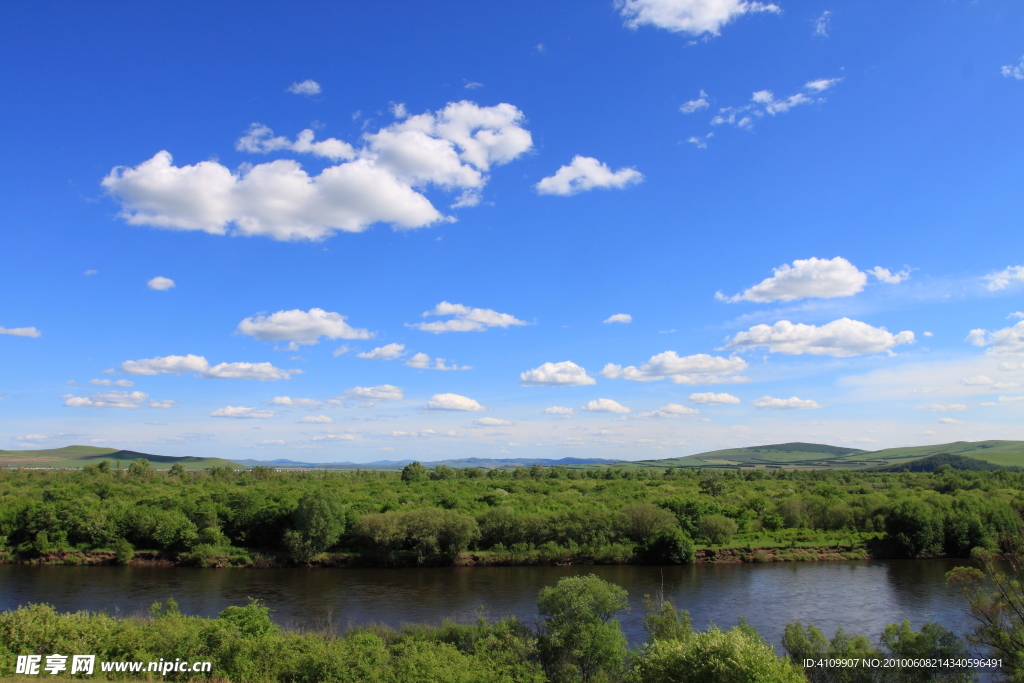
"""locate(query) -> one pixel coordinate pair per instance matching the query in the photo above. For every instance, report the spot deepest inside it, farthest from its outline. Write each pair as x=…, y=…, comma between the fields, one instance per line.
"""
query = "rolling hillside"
x=788, y=455
x=819, y=456
x=80, y=456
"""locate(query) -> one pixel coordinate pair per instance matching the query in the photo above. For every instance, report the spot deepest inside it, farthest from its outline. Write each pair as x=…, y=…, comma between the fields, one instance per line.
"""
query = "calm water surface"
x=861, y=597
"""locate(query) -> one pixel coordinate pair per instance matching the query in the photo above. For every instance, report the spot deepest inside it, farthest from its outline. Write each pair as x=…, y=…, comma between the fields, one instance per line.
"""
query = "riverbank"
x=211, y=559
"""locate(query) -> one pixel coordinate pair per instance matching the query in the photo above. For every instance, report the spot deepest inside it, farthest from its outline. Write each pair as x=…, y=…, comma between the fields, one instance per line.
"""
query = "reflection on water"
x=861, y=597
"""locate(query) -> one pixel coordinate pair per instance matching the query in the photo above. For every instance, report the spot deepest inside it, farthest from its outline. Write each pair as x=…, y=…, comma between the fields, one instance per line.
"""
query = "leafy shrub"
x=670, y=545
x=717, y=529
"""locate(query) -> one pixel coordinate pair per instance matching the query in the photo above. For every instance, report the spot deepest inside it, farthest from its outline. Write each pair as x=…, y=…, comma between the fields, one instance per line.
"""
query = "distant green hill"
x=1005, y=453
x=80, y=456
x=799, y=455
x=931, y=463
x=796, y=454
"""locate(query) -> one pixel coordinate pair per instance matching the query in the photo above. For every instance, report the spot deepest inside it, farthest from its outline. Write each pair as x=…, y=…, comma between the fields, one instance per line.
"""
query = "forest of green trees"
x=507, y=516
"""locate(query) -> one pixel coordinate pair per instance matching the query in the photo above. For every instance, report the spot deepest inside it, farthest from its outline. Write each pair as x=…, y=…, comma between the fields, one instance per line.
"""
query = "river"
x=861, y=597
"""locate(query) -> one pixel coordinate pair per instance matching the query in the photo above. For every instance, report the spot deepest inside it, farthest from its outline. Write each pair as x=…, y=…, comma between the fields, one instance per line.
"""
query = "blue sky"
x=330, y=231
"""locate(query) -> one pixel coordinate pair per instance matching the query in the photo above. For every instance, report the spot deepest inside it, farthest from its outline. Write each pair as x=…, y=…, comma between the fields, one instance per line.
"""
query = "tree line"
x=431, y=516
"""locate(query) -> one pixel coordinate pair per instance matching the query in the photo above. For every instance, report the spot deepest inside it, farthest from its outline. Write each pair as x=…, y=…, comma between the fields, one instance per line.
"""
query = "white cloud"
x=821, y=84
x=695, y=105
x=465, y=319
x=584, y=174
x=306, y=87
x=492, y=422
x=452, y=149
x=90, y=272
x=887, y=276
x=301, y=327
x=315, y=419
x=296, y=402
x=160, y=283
x=950, y=421
x=767, y=402
x=473, y=85
x=452, y=402
x=335, y=437
x=1018, y=315
x=425, y=434
x=978, y=337
x=670, y=410
x=1014, y=71
x=422, y=361
x=1010, y=399
x=558, y=410
x=108, y=399
x=1006, y=340
x=709, y=398
x=951, y=408
x=387, y=352
x=701, y=141
x=813, y=277
x=166, y=403
x=243, y=412
x=341, y=350
x=21, y=331
x=840, y=338
x=986, y=381
x=605, y=405
x=1004, y=278
x=383, y=392
x=763, y=102
x=699, y=368
x=821, y=25
x=260, y=140
x=264, y=372
x=565, y=373
x=111, y=383
x=619, y=318
x=164, y=365
x=928, y=334
x=689, y=16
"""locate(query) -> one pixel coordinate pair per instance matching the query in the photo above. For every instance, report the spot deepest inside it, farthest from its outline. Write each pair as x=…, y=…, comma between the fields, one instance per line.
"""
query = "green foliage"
x=244, y=645
x=670, y=545
x=414, y=471
x=717, y=529
x=123, y=551
x=640, y=522
x=139, y=468
x=579, y=638
x=253, y=620
x=319, y=523
x=898, y=641
x=665, y=622
x=533, y=514
x=914, y=529
x=738, y=655
x=995, y=593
